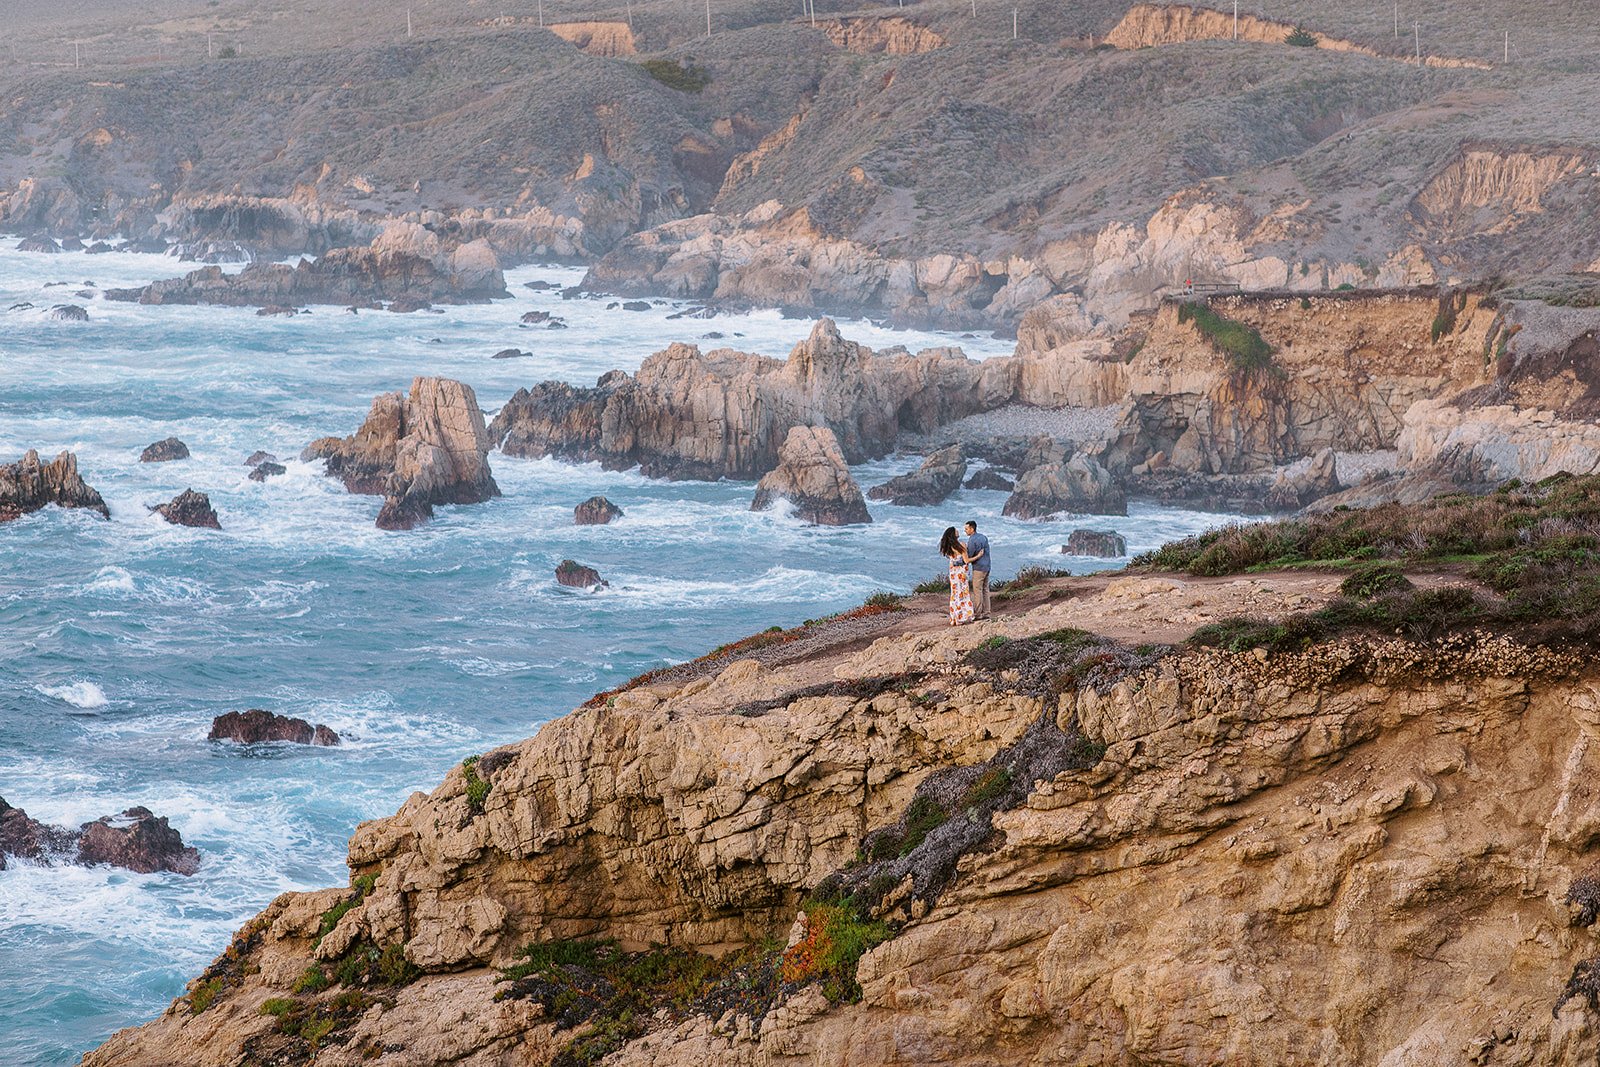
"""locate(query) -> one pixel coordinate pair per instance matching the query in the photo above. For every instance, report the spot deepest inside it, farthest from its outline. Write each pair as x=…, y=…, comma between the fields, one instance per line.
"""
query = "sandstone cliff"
x=1356, y=853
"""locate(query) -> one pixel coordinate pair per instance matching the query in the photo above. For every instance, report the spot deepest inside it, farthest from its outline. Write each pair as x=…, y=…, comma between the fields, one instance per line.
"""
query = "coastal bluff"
x=1072, y=836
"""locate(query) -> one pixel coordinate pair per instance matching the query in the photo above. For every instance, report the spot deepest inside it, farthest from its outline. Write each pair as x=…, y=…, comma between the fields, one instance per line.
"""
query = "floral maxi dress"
x=960, y=592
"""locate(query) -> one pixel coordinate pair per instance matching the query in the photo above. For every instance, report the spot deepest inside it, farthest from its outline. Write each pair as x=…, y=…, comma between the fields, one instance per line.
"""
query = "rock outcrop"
x=347, y=277
x=813, y=478
x=189, y=508
x=256, y=726
x=258, y=457
x=164, y=451
x=575, y=575
x=1063, y=480
x=137, y=839
x=417, y=450
x=68, y=313
x=1300, y=484
x=1355, y=801
x=1101, y=544
x=725, y=414
x=938, y=477
x=267, y=469
x=596, y=511
x=28, y=485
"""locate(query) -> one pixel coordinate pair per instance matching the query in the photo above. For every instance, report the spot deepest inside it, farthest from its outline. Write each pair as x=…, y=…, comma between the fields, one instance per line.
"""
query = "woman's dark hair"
x=949, y=544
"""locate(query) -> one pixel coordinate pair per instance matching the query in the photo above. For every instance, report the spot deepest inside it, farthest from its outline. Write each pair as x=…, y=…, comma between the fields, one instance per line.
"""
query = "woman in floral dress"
x=952, y=549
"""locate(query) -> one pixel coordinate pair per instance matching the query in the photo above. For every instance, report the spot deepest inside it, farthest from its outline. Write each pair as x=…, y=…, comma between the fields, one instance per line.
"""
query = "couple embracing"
x=969, y=574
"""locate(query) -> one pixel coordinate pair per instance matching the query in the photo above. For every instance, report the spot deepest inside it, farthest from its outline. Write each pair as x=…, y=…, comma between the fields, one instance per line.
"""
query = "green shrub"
x=228, y=52
x=940, y=584
x=1299, y=38
x=1242, y=346
x=991, y=785
x=1444, y=321
x=1305, y=303
x=1343, y=287
x=837, y=936
x=991, y=642
x=884, y=602
x=278, y=1006
x=477, y=788
x=1375, y=579
x=204, y=995
x=675, y=75
x=314, y=980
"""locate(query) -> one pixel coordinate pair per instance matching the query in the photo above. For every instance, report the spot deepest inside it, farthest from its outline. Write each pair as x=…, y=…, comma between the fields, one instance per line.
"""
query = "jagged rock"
x=276, y=309
x=1102, y=544
x=68, y=313
x=418, y=450
x=214, y=252
x=991, y=479
x=596, y=511
x=256, y=726
x=688, y=414
x=267, y=469
x=1316, y=478
x=164, y=451
x=405, y=305
x=636, y=305
x=512, y=353
x=938, y=477
x=575, y=575
x=258, y=457
x=39, y=243
x=812, y=475
x=20, y=306
x=189, y=508
x=1057, y=484
x=99, y=248
x=149, y=246
x=533, y=318
x=361, y=277
x=71, y=244
x=539, y=285
x=138, y=840
x=28, y=485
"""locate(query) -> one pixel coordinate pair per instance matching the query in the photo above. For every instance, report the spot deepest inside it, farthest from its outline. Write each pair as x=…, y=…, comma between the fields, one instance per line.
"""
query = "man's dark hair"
x=972, y=523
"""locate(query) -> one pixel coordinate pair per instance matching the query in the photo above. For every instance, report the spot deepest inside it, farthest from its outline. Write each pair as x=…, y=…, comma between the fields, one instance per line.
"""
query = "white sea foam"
x=79, y=694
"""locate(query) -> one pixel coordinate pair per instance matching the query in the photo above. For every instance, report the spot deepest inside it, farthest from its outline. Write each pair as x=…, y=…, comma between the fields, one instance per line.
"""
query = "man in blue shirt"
x=978, y=557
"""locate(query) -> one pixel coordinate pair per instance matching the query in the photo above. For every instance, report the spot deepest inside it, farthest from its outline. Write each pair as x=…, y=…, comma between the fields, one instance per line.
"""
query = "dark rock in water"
x=572, y=292
x=24, y=306
x=28, y=485
x=596, y=511
x=938, y=477
x=636, y=305
x=512, y=353
x=164, y=451
x=84, y=294
x=189, y=508
x=267, y=470
x=69, y=313
x=539, y=285
x=258, y=457
x=1102, y=544
x=575, y=575
x=275, y=309
x=150, y=246
x=404, y=305
x=714, y=335
x=256, y=726
x=99, y=248
x=812, y=475
x=139, y=840
x=39, y=243
x=555, y=324
x=533, y=318
x=30, y=839
x=427, y=448
x=71, y=244
x=214, y=252
x=989, y=478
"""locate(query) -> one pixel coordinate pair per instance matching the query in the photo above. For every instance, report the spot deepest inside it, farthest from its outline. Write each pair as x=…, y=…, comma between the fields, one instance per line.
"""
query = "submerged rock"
x=266, y=470
x=256, y=726
x=1101, y=544
x=938, y=477
x=39, y=243
x=68, y=313
x=164, y=451
x=575, y=575
x=189, y=508
x=812, y=475
x=418, y=450
x=596, y=511
x=512, y=353
x=28, y=485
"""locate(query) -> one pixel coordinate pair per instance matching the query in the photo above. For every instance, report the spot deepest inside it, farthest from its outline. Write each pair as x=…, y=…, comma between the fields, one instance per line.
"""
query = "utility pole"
x=1507, y=60
x=708, y=18
x=1416, y=28
x=408, y=24
x=210, y=53
x=541, y=14
x=1397, y=19
x=974, y=8
x=1235, y=20
x=76, y=58
x=1013, y=24
x=630, y=14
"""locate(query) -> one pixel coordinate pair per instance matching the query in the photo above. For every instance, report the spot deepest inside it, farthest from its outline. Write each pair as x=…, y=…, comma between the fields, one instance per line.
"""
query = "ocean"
x=120, y=640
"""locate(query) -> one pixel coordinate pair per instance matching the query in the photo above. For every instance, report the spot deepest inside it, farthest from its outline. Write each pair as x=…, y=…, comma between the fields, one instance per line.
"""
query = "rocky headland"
x=416, y=450
x=1336, y=813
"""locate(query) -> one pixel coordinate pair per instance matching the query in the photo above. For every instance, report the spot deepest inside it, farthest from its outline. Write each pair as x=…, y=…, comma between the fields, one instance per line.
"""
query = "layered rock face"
x=725, y=414
x=938, y=477
x=28, y=485
x=812, y=477
x=1062, y=480
x=1359, y=853
x=352, y=277
x=419, y=449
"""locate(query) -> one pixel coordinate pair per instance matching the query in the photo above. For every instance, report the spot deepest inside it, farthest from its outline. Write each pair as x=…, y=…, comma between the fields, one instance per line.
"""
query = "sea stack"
x=812, y=476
